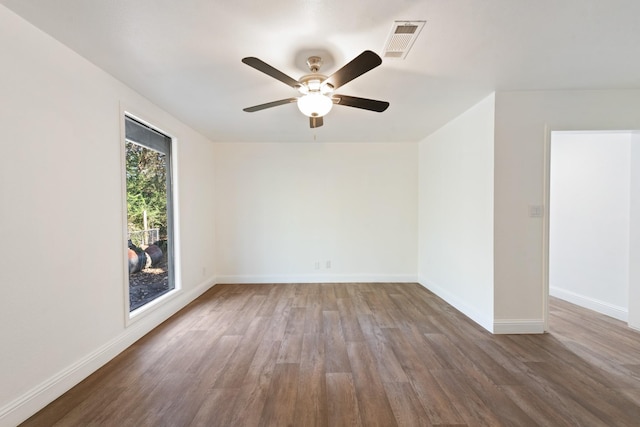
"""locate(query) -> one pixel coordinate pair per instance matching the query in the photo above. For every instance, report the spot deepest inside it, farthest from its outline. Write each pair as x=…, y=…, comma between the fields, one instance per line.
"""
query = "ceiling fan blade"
x=364, y=103
x=269, y=105
x=362, y=63
x=270, y=71
x=315, y=122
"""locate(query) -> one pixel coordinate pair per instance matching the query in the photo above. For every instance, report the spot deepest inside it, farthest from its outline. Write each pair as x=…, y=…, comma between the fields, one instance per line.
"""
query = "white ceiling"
x=184, y=55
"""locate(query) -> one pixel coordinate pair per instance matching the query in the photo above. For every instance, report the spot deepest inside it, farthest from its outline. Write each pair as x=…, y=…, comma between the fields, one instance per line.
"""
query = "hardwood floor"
x=358, y=355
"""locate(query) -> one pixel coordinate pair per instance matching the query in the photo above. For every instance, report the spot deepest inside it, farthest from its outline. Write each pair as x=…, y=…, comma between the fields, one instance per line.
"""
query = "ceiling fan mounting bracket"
x=314, y=63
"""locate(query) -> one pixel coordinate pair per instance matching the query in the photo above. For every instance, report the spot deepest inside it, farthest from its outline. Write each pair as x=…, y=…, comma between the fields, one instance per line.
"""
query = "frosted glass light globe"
x=314, y=104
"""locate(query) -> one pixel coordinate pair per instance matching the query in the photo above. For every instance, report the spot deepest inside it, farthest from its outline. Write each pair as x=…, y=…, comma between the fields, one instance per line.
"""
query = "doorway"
x=593, y=197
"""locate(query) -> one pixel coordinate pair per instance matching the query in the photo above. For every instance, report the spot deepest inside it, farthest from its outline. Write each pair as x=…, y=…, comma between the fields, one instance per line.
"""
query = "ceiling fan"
x=316, y=90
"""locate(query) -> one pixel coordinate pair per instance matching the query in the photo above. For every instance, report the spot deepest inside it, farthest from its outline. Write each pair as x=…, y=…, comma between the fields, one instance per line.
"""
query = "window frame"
x=172, y=219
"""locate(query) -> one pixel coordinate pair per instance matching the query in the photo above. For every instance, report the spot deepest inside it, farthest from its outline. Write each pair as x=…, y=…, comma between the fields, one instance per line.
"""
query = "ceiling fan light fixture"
x=314, y=104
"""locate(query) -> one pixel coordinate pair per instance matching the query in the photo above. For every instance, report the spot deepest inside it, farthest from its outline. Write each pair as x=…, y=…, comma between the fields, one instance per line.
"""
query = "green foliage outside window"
x=146, y=188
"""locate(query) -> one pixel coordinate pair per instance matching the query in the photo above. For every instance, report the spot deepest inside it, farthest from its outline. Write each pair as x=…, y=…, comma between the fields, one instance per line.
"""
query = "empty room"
x=318, y=213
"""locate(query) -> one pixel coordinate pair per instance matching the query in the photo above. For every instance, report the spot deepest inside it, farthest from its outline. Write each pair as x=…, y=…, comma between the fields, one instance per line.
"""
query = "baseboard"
x=317, y=278
x=518, y=326
x=46, y=392
x=480, y=318
x=601, y=307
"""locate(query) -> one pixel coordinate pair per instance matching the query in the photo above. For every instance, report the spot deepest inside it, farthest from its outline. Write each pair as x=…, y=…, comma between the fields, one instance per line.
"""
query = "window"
x=149, y=213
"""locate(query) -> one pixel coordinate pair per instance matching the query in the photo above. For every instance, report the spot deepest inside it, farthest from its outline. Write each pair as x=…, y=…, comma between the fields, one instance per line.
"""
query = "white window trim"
x=150, y=307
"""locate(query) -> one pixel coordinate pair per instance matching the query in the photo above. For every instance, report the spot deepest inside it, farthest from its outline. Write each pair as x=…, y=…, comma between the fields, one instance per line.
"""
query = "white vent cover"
x=403, y=35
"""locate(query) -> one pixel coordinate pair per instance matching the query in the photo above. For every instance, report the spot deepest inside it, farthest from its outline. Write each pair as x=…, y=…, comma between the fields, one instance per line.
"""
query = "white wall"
x=523, y=123
x=62, y=309
x=634, y=234
x=456, y=212
x=589, y=220
x=283, y=207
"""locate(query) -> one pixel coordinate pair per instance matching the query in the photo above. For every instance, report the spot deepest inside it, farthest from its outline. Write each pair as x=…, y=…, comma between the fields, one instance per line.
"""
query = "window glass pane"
x=149, y=215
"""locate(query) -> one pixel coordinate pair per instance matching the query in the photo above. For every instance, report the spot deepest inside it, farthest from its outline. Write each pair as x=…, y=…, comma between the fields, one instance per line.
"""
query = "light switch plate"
x=536, y=211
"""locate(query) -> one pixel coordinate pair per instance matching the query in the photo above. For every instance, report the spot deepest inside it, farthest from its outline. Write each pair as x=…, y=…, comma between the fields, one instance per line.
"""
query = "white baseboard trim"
x=21, y=408
x=319, y=278
x=482, y=319
x=518, y=326
x=601, y=307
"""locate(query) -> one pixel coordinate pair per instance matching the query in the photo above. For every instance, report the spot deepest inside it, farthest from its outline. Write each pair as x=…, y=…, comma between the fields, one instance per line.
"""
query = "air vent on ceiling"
x=403, y=35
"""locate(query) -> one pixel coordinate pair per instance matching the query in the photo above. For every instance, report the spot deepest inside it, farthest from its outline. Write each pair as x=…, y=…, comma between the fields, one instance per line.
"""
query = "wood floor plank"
x=389, y=367
x=179, y=409
x=361, y=354
x=250, y=310
x=311, y=399
x=133, y=405
x=237, y=367
x=559, y=354
x=413, y=314
x=270, y=303
x=249, y=400
x=546, y=414
x=439, y=408
x=278, y=320
x=337, y=359
x=372, y=398
x=328, y=297
x=457, y=388
x=435, y=403
x=380, y=307
x=633, y=394
x=406, y=406
x=553, y=398
x=342, y=403
x=290, y=349
x=414, y=337
x=482, y=375
x=349, y=320
x=280, y=406
x=215, y=409
x=78, y=414
x=597, y=399
x=313, y=322
x=212, y=365
x=291, y=346
x=213, y=349
x=621, y=374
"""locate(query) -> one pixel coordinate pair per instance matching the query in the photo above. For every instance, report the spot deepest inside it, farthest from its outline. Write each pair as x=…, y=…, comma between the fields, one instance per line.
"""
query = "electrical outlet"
x=328, y=264
x=317, y=265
